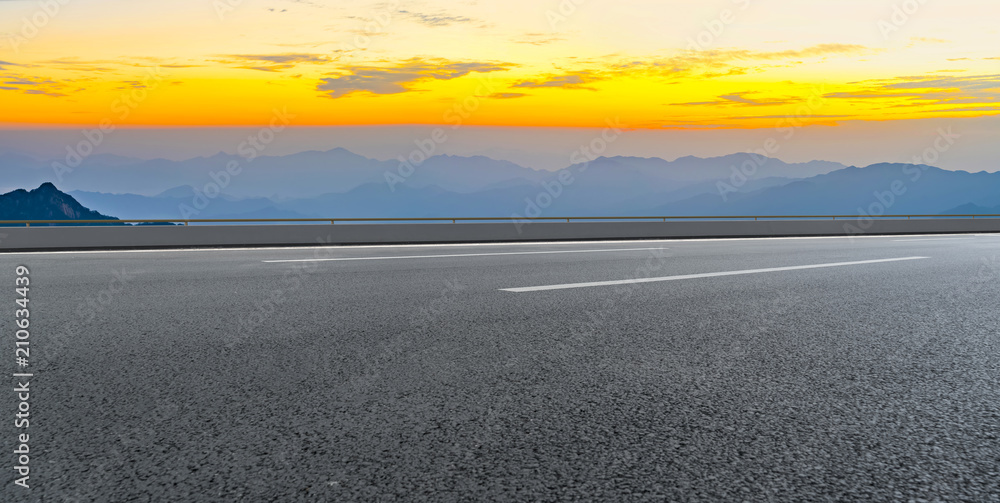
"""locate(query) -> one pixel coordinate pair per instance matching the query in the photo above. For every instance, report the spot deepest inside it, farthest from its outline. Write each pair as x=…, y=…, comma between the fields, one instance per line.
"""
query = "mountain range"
x=45, y=203
x=341, y=184
x=313, y=173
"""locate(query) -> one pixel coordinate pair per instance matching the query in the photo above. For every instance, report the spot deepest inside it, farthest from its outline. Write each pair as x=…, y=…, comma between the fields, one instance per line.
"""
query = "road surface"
x=826, y=369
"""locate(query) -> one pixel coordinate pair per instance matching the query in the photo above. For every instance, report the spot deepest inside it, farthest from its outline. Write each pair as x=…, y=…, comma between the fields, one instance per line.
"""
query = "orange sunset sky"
x=561, y=63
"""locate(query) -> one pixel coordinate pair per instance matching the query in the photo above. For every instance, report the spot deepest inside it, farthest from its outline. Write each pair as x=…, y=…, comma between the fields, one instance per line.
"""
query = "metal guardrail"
x=29, y=223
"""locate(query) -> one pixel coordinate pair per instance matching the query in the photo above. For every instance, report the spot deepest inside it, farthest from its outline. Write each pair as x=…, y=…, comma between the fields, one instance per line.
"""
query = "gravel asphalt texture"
x=212, y=375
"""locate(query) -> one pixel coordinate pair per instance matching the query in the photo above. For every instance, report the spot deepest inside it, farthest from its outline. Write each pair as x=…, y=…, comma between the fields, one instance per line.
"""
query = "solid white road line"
x=703, y=275
x=933, y=239
x=342, y=259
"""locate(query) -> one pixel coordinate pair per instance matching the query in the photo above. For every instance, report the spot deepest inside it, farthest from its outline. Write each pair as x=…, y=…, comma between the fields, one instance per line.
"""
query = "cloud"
x=681, y=125
x=285, y=58
x=707, y=64
x=401, y=77
x=435, y=20
x=973, y=82
x=812, y=52
x=740, y=99
x=35, y=85
x=506, y=96
x=927, y=40
x=690, y=64
x=44, y=92
x=722, y=57
x=131, y=84
x=576, y=80
x=272, y=62
x=120, y=66
x=995, y=109
x=73, y=65
x=914, y=91
x=539, y=39
x=787, y=116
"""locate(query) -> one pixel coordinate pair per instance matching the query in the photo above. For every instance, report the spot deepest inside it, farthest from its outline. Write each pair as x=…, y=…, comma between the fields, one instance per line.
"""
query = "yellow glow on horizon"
x=496, y=63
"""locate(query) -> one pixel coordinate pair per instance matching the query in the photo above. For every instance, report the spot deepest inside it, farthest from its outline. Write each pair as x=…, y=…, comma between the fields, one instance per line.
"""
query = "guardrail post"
x=27, y=224
x=185, y=223
x=333, y=222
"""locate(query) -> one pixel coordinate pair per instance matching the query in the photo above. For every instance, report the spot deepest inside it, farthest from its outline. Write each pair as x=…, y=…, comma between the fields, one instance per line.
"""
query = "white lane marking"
x=703, y=275
x=456, y=255
x=933, y=239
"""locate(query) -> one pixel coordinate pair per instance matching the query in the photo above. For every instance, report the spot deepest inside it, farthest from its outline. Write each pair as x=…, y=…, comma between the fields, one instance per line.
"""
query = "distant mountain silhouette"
x=697, y=169
x=45, y=203
x=340, y=184
x=888, y=188
x=973, y=209
x=181, y=203
x=314, y=173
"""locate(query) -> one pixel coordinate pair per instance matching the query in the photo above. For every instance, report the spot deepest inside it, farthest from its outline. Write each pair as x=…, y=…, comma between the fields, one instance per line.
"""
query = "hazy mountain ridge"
x=887, y=188
x=314, y=173
x=448, y=186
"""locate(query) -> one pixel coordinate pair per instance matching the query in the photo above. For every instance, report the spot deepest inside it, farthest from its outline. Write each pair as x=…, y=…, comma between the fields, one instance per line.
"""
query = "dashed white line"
x=703, y=275
x=458, y=255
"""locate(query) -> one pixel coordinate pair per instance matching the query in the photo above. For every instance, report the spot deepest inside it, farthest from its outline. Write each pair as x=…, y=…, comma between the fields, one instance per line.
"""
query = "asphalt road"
x=442, y=373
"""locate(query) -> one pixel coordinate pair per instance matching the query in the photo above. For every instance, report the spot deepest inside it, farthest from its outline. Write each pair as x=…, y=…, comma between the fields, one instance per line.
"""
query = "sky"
x=668, y=67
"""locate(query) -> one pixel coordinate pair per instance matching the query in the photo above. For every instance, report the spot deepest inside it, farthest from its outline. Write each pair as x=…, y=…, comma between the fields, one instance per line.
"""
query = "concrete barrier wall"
x=76, y=238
